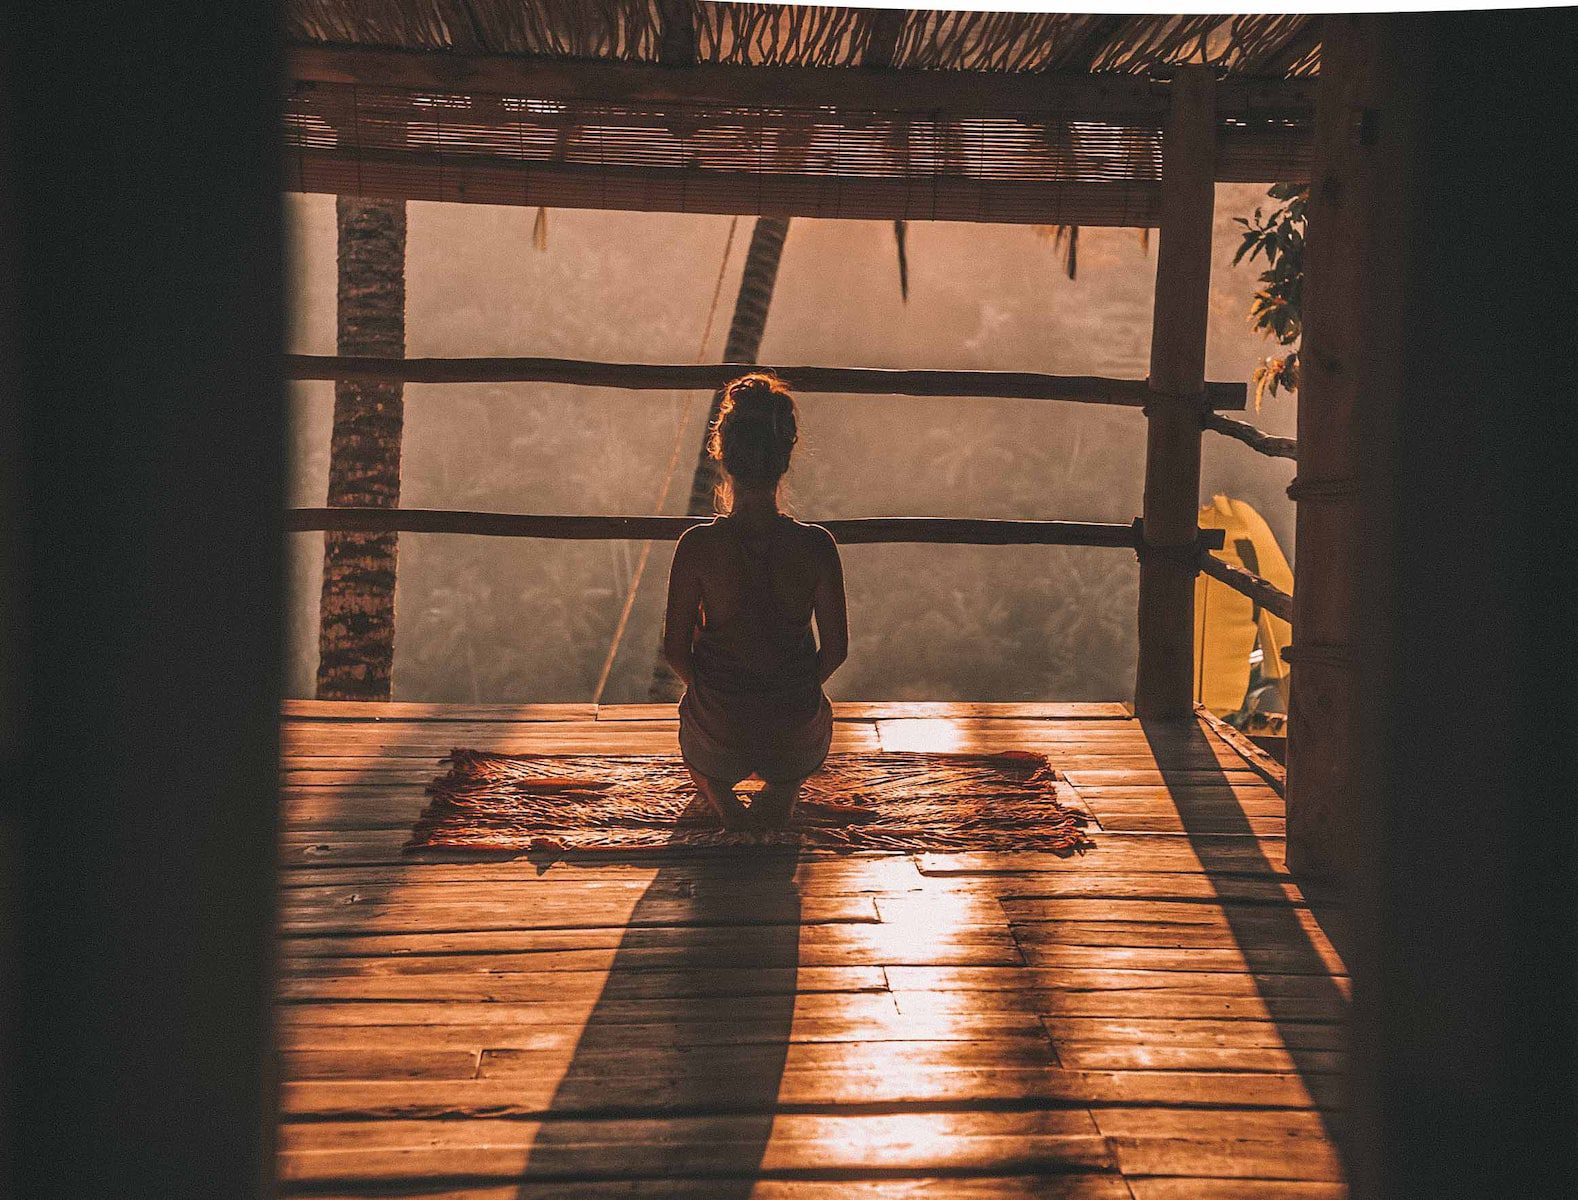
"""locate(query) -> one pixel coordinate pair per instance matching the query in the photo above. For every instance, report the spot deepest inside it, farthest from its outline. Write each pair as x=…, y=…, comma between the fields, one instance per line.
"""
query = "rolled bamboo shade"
x=1003, y=167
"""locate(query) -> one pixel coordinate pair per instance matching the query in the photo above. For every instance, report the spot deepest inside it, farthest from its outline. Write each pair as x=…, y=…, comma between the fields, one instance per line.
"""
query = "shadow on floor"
x=678, y=1068
x=1290, y=975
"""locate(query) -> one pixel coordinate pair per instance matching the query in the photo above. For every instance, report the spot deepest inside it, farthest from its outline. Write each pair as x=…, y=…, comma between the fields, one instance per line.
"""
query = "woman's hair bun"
x=756, y=430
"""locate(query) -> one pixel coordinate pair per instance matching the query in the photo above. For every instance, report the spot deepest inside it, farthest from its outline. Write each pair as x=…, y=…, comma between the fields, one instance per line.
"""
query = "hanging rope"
x=668, y=478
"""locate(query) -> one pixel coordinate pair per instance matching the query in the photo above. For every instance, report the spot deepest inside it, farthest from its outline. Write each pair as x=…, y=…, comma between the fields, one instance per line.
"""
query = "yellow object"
x=1227, y=625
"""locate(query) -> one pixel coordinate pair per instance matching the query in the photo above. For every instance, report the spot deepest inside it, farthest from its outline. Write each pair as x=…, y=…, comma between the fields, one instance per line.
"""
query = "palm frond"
x=900, y=236
x=1065, y=240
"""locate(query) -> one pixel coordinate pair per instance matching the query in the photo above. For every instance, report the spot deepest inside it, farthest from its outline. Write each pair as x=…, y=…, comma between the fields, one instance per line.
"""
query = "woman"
x=742, y=594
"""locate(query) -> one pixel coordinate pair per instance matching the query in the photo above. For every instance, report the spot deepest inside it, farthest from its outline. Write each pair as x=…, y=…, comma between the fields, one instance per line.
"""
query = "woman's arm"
x=830, y=608
x=684, y=606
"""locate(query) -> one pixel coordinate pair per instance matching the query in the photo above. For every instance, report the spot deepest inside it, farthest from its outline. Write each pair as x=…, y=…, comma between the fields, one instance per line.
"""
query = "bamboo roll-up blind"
x=1063, y=164
x=1035, y=167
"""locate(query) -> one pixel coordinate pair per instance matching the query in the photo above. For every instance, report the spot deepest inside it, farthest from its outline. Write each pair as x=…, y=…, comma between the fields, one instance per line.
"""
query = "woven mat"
x=938, y=802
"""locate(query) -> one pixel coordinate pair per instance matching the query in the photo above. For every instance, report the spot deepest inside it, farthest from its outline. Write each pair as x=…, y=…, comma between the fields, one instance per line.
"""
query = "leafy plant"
x=1277, y=307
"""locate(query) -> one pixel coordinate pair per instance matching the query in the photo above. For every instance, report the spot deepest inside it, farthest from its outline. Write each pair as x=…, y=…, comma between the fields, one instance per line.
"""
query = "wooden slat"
x=1238, y=856
x=326, y=918
x=1233, y=1189
x=871, y=710
x=912, y=1187
x=709, y=377
x=805, y=1147
x=1133, y=1057
x=1147, y=1031
x=303, y=709
x=1224, y=958
x=561, y=985
x=763, y=1013
x=296, y=708
x=387, y=744
x=879, y=947
x=864, y=1026
x=1083, y=979
x=1169, y=1004
x=820, y=874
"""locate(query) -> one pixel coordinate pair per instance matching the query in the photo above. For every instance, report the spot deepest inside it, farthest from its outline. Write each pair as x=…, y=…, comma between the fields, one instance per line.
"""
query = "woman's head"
x=754, y=434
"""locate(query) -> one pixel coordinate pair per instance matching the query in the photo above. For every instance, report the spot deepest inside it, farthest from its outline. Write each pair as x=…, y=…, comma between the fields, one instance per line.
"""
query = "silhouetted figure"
x=743, y=591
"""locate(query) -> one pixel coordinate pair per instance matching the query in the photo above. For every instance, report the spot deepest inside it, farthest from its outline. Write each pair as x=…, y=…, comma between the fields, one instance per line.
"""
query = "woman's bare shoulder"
x=816, y=540
x=698, y=541
x=811, y=533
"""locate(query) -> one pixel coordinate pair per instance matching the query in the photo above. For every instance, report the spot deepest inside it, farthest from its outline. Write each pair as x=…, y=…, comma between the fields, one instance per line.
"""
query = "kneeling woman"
x=742, y=594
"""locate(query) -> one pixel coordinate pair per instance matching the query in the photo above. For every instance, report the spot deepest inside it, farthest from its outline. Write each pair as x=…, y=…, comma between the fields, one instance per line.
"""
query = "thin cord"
x=668, y=480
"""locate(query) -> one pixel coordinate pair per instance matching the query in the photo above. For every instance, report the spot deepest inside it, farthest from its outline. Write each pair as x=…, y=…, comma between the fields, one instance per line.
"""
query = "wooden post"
x=1431, y=758
x=1164, y=682
x=1324, y=703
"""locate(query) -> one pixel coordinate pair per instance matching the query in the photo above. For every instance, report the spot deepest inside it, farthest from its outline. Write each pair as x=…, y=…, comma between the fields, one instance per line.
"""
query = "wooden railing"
x=1256, y=439
x=959, y=531
x=1172, y=455
x=707, y=377
x=1264, y=593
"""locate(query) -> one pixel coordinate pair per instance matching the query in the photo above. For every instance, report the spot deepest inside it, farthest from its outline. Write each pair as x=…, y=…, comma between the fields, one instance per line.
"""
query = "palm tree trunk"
x=744, y=345
x=356, y=613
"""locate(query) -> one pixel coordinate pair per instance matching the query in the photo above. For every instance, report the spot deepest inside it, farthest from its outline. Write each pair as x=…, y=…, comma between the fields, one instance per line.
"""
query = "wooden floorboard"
x=1159, y=1018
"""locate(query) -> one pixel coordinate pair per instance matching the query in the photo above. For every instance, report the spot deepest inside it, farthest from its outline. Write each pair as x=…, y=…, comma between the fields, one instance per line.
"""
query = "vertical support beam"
x=139, y=792
x=1465, y=1009
x=1165, y=679
x=1324, y=706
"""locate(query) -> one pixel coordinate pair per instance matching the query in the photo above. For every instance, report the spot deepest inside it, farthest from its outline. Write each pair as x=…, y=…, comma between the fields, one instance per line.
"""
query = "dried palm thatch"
x=1266, y=44
x=941, y=802
x=472, y=114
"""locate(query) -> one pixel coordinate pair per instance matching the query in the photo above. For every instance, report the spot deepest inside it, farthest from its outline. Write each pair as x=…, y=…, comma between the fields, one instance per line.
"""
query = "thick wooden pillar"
x=1164, y=682
x=1341, y=241
x=1438, y=291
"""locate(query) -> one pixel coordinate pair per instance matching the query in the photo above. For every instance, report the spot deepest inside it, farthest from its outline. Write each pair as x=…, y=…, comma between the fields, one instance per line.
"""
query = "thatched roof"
x=693, y=106
x=1269, y=45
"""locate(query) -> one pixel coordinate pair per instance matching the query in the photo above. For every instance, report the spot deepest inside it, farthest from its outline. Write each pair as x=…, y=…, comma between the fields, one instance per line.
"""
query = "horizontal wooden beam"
x=498, y=179
x=706, y=377
x=854, y=88
x=1264, y=593
x=963, y=531
x=1255, y=439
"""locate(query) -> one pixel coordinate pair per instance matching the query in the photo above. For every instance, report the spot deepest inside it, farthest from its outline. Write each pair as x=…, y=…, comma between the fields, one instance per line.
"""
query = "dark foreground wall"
x=1466, y=986
x=142, y=293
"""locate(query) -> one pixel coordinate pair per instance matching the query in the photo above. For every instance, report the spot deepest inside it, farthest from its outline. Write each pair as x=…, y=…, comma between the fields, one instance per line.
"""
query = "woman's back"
x=758, y=591
x=769, y=567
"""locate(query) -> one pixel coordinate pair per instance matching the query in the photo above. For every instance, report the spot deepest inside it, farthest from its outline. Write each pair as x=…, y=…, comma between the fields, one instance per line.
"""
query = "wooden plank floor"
x=1159, y=1019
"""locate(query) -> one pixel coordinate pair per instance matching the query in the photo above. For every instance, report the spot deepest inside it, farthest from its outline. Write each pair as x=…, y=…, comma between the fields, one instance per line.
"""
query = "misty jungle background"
x=486, y=619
